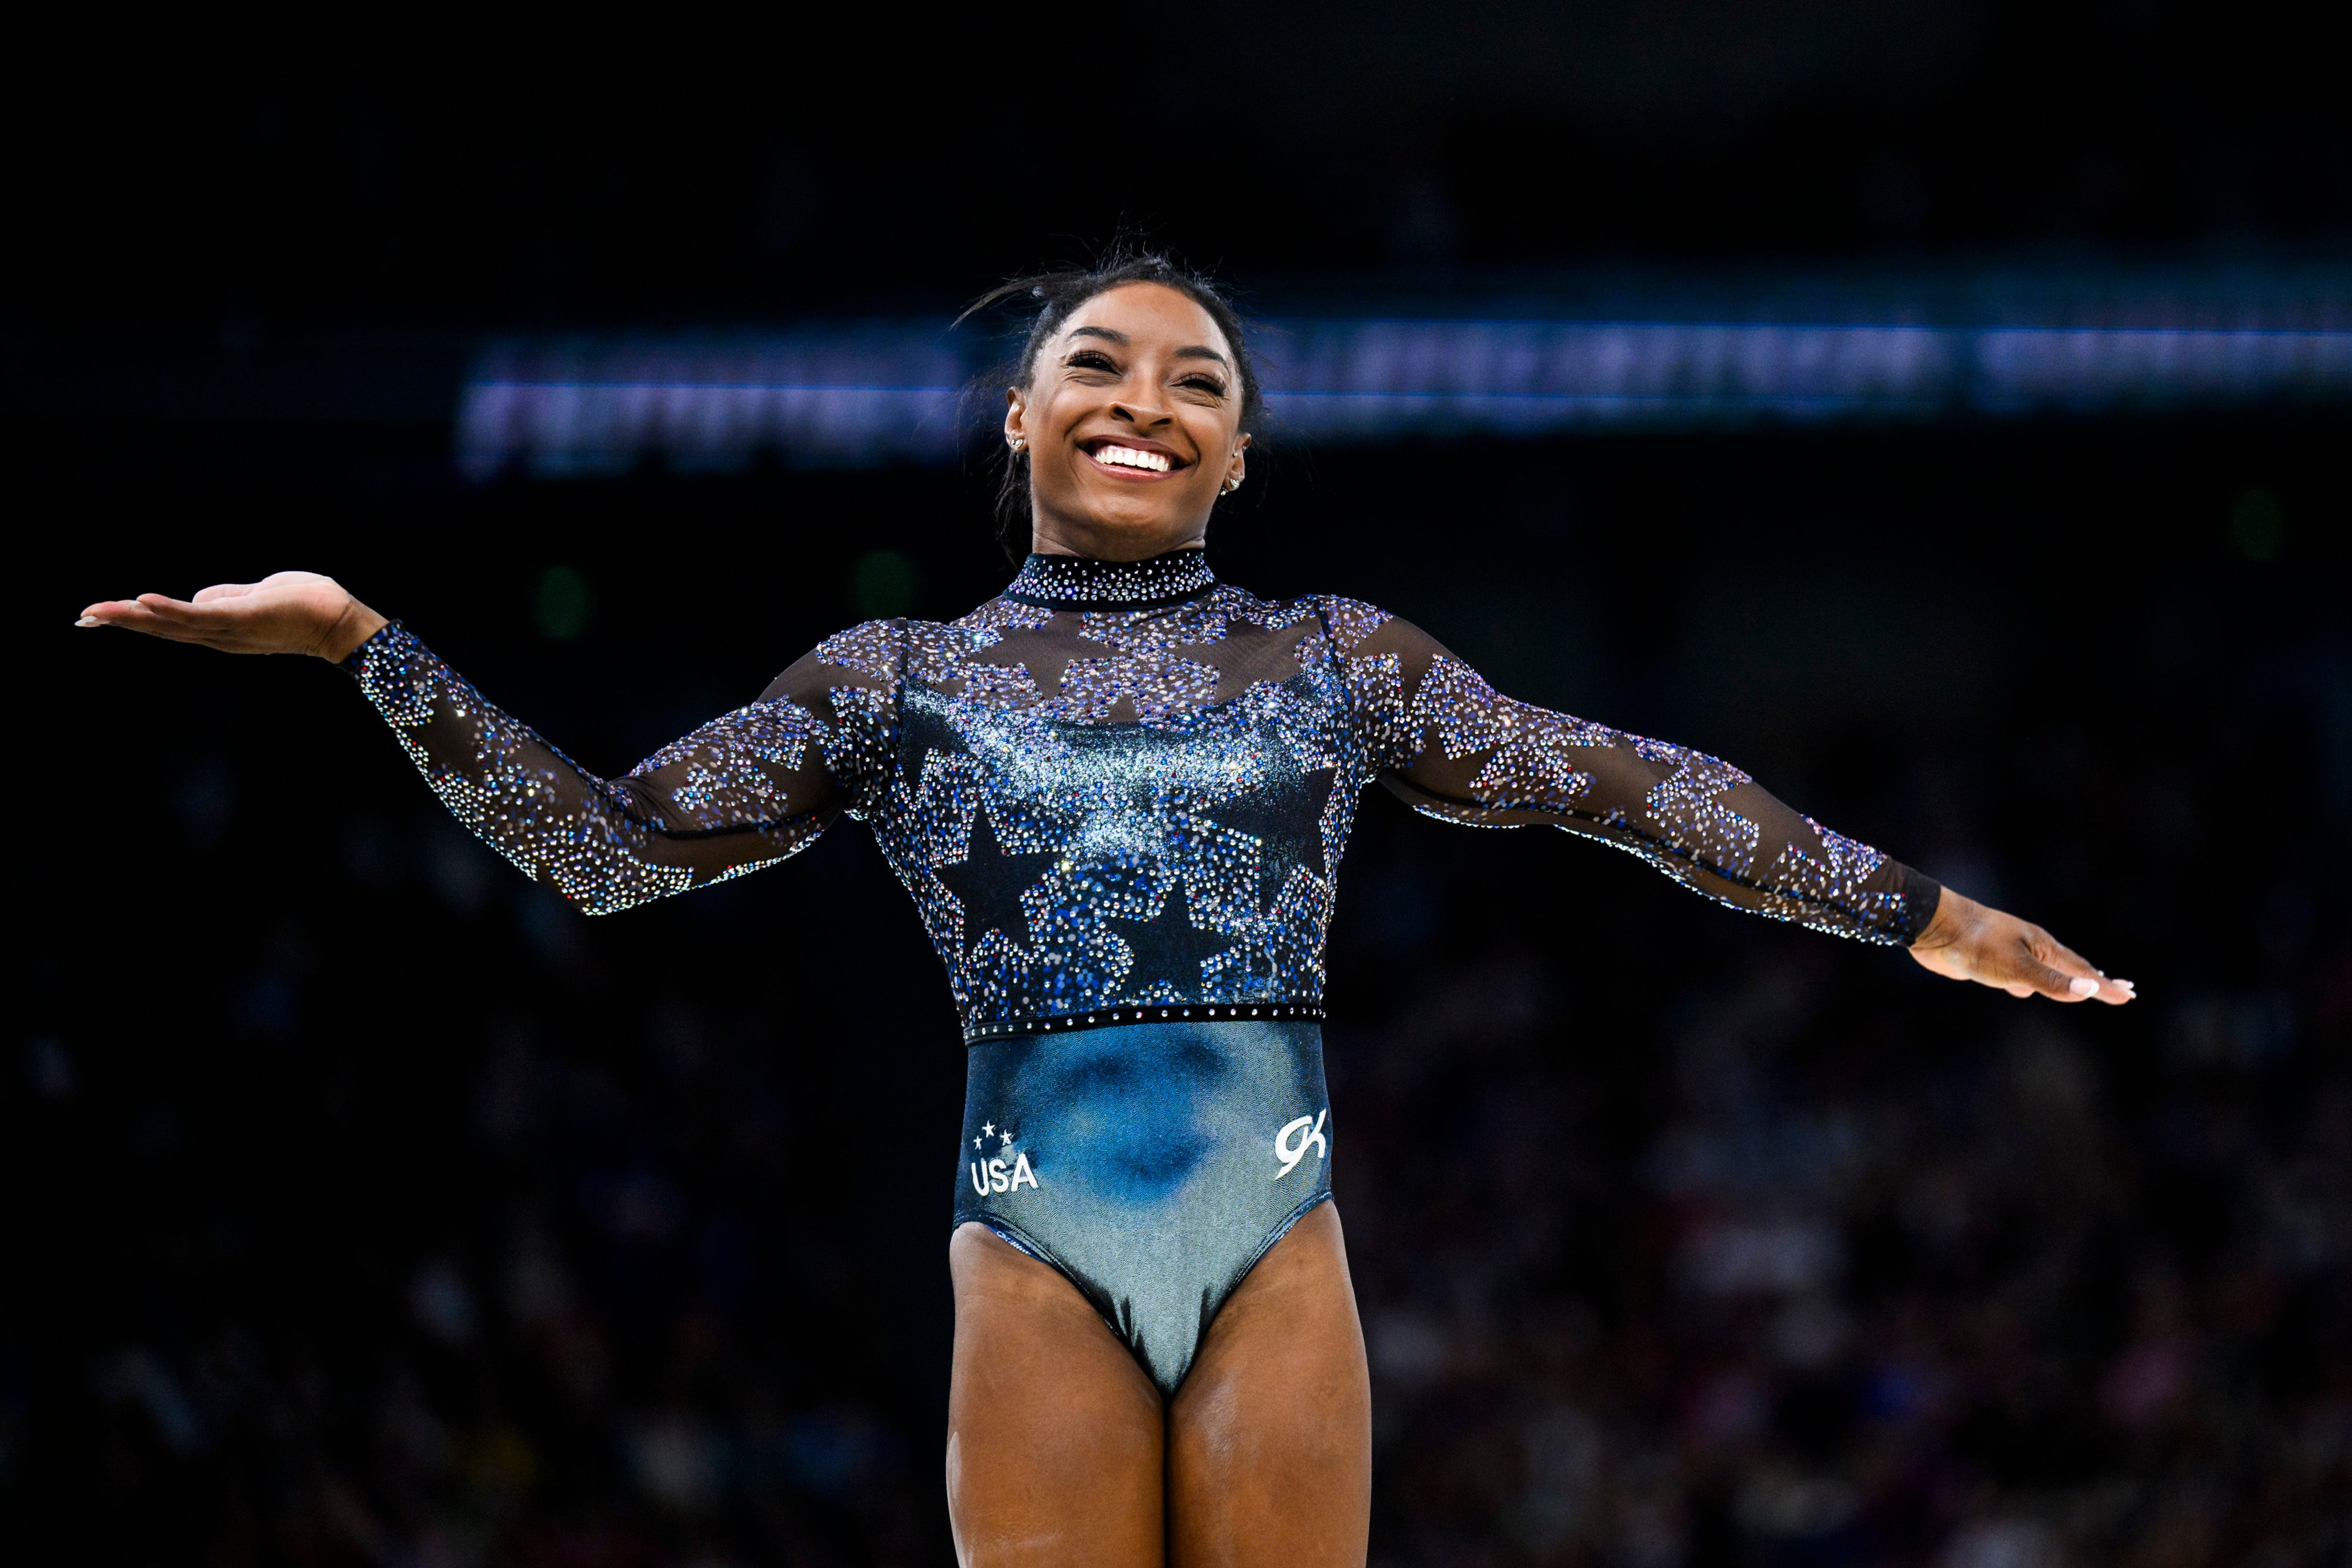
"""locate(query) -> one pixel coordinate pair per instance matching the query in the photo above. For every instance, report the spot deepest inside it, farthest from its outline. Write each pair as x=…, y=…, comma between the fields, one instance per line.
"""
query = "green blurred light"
x=884, y=582
x=566, y=603
x=2256, y=525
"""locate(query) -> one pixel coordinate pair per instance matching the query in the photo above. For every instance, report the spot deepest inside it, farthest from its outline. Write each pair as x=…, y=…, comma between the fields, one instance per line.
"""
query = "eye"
x=1204, y=382
x=1090, y=360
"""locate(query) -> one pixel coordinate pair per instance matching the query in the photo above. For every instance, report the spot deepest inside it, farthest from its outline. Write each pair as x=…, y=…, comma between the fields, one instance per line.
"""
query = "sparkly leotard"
x=1119, y=793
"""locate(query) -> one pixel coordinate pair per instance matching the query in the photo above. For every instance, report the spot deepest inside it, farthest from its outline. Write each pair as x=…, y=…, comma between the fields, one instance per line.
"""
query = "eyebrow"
x=1189, y=352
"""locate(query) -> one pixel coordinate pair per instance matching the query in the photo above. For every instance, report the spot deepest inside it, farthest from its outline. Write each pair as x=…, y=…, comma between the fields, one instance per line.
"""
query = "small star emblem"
x=1007, y=1137
x=989, y=1128
x=976, y=1143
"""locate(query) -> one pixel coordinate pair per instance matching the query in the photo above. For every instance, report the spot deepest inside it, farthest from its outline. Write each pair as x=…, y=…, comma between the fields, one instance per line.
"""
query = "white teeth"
x=1129, y=458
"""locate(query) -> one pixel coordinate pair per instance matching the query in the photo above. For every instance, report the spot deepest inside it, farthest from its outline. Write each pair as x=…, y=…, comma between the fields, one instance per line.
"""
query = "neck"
x=1084, y=582
x=1091, y=540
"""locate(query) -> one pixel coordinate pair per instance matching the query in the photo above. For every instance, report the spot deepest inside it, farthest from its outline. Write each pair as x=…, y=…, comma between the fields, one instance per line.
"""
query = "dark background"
x=371, y=1207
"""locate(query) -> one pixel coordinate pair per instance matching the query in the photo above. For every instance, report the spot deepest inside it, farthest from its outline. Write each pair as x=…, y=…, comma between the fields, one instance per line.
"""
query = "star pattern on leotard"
x=1168, y=949
x=988, y=882
x=1047, y=657
x=1272, y=821
x=1241, y=656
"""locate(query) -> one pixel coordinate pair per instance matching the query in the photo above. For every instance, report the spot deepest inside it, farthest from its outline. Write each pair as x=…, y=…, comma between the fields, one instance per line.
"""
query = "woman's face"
x=1132, y=421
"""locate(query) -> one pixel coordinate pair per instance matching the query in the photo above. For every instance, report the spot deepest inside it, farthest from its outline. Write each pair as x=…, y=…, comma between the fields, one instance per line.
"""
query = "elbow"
x=611, y=890
x=585, y=898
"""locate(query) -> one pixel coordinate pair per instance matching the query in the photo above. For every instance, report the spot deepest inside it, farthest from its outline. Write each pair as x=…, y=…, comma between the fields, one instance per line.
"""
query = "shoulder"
x=871, y=648
x=1346, y=621
x=1351, y=620
x=1358, y=630
x=904, y=646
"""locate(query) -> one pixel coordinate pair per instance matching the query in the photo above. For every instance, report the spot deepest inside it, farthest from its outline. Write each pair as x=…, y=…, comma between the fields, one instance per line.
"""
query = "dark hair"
x=1052, y=296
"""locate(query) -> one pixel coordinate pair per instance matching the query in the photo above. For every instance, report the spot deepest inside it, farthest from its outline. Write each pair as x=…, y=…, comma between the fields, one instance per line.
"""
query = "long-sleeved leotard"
x=1118, y=791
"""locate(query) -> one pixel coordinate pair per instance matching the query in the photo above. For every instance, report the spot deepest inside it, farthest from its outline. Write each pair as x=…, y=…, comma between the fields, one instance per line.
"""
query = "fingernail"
x=2083, y=986
x=89, y=621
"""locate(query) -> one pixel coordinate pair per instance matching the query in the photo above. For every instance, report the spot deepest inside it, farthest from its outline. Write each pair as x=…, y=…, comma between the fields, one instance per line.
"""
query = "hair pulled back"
x=1052, y=295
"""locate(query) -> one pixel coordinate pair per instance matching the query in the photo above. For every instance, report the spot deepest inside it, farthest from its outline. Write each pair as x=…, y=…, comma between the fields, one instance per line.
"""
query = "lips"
x=1131, y=459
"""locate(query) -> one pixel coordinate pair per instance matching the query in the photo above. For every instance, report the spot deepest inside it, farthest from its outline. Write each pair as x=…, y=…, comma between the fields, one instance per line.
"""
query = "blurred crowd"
x=1869, y=1284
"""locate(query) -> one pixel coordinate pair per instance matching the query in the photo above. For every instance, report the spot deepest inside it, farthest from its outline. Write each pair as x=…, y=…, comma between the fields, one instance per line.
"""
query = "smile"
x=1135, y=462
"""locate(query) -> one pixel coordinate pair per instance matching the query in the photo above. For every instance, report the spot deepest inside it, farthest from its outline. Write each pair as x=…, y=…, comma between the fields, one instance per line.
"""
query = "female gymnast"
x=1117, y=792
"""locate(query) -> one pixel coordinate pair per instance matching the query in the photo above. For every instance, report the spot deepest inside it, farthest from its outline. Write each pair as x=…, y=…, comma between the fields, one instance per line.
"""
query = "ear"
x=1016, y=410
x=1239, y=466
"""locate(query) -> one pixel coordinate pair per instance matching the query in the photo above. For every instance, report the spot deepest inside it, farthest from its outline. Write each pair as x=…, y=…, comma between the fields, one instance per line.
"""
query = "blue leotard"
x=1119, y=793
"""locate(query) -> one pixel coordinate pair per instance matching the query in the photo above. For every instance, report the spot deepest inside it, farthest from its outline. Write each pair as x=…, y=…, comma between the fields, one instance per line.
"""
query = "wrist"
x=1952, y=919
x=354, y=626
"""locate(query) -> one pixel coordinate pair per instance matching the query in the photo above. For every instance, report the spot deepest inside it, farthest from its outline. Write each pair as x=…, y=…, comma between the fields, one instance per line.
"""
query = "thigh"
x=1270, y=1438
x=1055, y=1438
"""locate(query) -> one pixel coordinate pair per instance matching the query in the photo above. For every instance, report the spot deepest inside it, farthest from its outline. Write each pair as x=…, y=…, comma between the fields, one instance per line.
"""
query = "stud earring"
x=1016, y=444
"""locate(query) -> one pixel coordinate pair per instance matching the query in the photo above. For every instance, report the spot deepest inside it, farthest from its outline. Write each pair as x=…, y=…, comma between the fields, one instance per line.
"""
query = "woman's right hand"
x=284, y=613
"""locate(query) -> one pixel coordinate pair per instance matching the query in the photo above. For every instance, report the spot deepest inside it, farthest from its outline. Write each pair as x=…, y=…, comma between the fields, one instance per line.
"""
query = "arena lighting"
x=884, y=393
x=858, y=395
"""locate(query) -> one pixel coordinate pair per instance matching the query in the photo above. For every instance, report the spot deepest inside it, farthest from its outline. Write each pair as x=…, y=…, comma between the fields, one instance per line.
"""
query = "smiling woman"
x=1136, y=321
x=1119, y=793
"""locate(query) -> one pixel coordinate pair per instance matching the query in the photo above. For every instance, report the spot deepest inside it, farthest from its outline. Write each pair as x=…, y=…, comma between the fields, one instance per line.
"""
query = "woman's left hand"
x=1972, y=941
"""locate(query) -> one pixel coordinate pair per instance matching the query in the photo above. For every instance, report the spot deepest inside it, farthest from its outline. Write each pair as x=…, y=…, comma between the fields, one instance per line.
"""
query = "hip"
x=1132, y=1118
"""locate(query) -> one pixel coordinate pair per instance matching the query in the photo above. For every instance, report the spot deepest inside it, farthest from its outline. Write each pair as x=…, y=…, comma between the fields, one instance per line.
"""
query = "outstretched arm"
x=1453, y=746
x=742, y=792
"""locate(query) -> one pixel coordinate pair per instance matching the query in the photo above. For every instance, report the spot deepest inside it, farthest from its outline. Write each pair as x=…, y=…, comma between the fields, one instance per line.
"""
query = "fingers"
x=2044, y=967
x=2083, y=982
x=180, y=611
x=2049, y=980
x=157, y=615
x=132, y=615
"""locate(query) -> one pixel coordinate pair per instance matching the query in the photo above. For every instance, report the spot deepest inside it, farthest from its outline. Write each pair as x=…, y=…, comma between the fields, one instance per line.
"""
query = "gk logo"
x=1291, y=1143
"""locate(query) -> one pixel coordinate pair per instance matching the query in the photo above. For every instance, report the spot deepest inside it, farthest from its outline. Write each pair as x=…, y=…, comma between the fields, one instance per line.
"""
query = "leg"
x=1055, y=1438
x=1270, y=1438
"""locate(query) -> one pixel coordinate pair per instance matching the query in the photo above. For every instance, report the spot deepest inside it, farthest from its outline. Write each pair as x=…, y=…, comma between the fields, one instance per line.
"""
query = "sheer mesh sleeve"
x=1453, y=746
x=744, y=791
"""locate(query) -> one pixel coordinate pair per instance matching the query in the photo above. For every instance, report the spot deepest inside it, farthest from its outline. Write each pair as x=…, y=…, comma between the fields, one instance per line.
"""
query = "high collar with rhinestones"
x=1073, y=582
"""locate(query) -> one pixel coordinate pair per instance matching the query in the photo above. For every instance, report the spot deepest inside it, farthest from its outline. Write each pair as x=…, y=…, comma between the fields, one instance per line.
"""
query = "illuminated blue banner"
x=905, y=391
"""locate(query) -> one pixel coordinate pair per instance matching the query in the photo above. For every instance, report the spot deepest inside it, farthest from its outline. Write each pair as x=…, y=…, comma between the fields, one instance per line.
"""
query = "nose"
x=1140, y=411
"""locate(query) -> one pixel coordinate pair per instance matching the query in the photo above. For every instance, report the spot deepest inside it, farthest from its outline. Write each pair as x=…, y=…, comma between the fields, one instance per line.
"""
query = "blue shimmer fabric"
x=1152, y=1164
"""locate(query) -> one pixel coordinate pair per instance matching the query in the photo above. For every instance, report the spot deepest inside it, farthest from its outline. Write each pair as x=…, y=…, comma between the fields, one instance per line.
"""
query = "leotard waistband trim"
x=1141, y=1012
